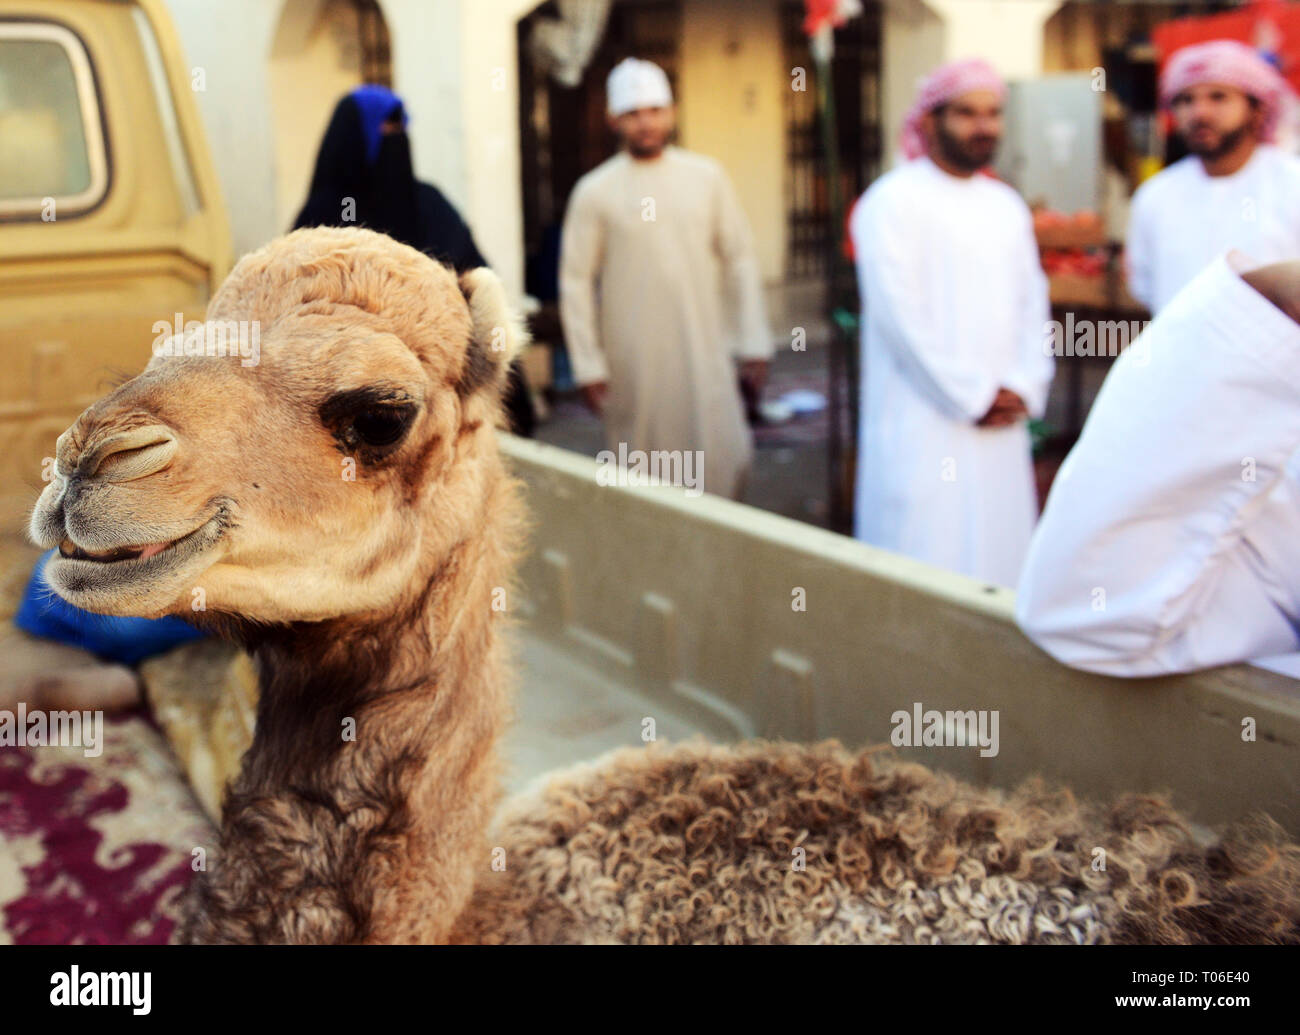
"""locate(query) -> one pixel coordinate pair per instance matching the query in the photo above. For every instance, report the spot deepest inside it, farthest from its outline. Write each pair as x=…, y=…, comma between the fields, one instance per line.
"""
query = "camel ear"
x=496, y=334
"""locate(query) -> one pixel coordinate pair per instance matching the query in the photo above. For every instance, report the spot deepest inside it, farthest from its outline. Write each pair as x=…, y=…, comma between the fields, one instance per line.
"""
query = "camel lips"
x=71, y=551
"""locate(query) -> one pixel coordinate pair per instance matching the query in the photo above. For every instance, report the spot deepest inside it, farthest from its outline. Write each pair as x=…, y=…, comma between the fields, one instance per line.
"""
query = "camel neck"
x=362, y=806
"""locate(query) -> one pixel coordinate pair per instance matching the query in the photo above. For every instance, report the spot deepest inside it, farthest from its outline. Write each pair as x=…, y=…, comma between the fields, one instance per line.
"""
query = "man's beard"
x=1227, y=143
x=647, y=148
x=969, y=156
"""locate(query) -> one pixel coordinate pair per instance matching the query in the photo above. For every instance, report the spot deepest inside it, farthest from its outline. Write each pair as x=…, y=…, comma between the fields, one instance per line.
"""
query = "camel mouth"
x=82, y=570
x=69, y=550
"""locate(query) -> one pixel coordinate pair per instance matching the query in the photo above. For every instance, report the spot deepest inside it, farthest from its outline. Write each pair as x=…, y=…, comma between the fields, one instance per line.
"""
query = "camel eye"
x=383, y=425
x=370, y=420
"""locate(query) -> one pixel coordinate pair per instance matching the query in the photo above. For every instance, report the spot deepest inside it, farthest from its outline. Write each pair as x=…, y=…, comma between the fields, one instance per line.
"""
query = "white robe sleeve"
x=581, y=255
x=752, y=337
x=1171, y=539
x=1031, y=377
x=891, y=274
x=1138, y=252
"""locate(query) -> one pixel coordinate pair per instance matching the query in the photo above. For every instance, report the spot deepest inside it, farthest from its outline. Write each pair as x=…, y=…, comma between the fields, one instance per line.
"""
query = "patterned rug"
x=97, y=850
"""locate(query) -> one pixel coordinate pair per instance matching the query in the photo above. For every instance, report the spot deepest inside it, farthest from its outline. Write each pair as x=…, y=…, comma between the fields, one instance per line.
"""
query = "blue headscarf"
x=377, y=104
x=124, y=640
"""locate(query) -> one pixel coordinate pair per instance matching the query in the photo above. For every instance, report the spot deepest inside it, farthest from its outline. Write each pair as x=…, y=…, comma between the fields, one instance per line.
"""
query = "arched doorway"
x=320, y=51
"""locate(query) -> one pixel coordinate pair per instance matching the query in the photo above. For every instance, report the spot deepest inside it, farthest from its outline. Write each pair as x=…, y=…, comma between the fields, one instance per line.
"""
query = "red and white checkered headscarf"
x=1232, y=64
x=940, y=87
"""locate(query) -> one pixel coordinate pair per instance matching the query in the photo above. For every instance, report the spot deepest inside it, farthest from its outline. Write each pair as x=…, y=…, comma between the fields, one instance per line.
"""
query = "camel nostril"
x=131, y=454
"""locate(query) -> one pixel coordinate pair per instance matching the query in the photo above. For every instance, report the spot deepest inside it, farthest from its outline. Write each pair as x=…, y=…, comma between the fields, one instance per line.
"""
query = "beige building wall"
x=732, y=81
x=314, y=61
x=229, y=44
x=492, y=203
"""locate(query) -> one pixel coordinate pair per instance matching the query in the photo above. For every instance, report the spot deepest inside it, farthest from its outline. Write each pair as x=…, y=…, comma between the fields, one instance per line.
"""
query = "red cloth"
x=1270, y=26
x=96, y=850
x=821, y=13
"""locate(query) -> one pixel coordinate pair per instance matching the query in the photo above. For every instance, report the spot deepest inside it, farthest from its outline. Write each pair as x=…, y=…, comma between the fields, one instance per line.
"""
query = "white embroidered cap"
x=636, y=84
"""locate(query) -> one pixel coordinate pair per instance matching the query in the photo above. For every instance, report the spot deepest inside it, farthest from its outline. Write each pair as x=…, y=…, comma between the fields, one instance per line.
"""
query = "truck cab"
x=111, y=217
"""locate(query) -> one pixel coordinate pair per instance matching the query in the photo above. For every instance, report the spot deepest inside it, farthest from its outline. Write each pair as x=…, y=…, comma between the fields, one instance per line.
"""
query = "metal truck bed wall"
x=689, y=601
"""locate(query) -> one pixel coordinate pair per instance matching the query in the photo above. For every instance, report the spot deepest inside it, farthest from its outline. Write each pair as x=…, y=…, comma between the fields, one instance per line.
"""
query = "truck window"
x=51, y=141
x=153, y=61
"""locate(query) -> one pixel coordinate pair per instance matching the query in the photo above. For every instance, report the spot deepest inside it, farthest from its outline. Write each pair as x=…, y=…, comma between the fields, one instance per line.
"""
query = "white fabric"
x=634, y=84
x=955, y=306
x=1183, y=218
x=564, y=45
x=659, y=291
x=1158, y=551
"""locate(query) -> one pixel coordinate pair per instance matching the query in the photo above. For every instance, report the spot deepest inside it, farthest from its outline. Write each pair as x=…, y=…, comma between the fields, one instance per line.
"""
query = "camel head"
x=330, y=471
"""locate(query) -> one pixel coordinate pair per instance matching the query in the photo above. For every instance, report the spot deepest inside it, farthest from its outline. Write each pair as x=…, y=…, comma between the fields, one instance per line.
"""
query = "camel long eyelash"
x=354, y=400
x=372, y=421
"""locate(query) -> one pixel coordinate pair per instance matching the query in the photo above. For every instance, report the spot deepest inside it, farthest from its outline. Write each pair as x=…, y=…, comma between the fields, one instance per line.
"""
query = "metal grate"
x=856, y=73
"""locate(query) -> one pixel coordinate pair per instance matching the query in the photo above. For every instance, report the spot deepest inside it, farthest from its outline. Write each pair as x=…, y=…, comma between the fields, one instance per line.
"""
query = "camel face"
x=330, y=477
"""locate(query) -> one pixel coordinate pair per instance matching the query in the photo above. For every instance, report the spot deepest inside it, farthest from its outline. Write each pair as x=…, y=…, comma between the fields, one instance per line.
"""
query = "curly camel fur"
x=346, y=513
x=697, y=843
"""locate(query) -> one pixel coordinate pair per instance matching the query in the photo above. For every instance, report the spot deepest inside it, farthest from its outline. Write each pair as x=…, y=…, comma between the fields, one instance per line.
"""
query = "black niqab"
x=384, y=195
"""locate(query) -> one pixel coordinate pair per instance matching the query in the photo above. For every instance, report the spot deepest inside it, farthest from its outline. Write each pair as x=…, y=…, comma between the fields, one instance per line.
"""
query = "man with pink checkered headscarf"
x=954, y=310
x=1235, y=189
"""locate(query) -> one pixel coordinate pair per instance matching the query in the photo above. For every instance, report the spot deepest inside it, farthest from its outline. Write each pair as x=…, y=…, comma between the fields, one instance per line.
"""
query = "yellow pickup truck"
x=111, y=217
